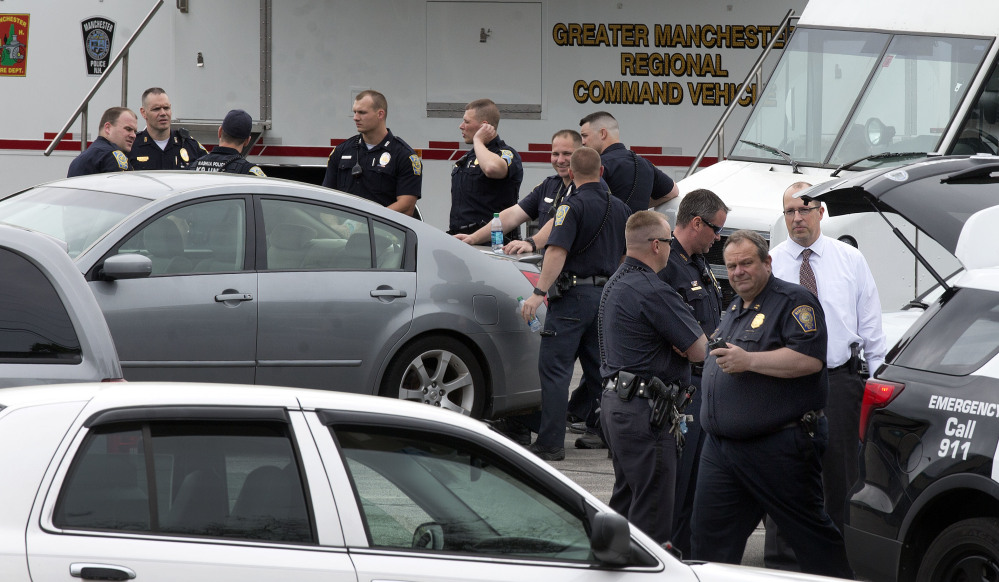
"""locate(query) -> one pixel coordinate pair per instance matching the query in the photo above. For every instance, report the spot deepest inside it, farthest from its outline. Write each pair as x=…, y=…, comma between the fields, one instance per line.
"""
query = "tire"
x=967, y=550
x=438, y=371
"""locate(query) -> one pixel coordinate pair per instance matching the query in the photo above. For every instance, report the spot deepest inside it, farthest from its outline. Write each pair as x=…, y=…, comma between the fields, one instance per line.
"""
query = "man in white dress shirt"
x=838, y=274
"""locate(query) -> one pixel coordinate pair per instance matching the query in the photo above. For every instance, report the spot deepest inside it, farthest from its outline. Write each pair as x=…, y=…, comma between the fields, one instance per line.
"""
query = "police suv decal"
x=959, y=431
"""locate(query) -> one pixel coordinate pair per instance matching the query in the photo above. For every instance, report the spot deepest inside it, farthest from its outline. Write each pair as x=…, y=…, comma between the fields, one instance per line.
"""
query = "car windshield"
x=838, y=96
x=77, y=217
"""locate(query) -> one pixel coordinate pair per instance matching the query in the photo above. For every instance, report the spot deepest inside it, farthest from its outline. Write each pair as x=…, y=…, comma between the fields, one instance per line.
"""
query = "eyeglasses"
x=662, y=240
x=713, y=227
x=803, y=211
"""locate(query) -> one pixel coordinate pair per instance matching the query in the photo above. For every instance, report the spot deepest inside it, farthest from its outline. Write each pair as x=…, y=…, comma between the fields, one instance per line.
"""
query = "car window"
x=218, y=479
x=303, y=236
x=209, y=237
x=426, y=492
x=958, y=336
x=76, y=217
x=34, y=324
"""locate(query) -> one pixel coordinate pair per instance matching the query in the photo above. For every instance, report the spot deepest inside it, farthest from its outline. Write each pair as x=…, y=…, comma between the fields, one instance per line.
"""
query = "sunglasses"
x=713, y=227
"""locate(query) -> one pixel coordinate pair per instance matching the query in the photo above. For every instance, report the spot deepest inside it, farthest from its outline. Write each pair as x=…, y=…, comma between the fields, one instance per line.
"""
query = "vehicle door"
x=336, y=293
x=195, y=317
x=439, y=504
x=162, y=494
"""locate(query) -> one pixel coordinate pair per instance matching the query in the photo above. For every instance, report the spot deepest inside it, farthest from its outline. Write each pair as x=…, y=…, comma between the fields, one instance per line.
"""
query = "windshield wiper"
x=774, y=151
x=877, y=157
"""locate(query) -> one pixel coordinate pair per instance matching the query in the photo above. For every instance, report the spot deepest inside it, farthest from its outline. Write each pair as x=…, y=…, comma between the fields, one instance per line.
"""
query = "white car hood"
x=713, y=572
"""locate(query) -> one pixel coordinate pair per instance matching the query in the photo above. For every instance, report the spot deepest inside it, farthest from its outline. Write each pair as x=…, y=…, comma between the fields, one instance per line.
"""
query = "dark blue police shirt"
x=475, y=197
x=540, y=203
x=641, y=319
x=749, y=404
x=691, y=277
x=227, y=160
x=100, y=157
x=620, y=165
x=181, y=150
x=388, y=170
x=580, y=221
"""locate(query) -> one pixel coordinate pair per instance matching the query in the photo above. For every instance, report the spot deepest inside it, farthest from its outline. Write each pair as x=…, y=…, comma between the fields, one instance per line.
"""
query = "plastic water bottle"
x=535, y=323
x=496, y=229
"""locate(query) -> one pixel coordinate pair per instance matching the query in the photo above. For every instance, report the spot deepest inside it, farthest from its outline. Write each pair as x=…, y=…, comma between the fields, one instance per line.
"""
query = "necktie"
x=806, y=276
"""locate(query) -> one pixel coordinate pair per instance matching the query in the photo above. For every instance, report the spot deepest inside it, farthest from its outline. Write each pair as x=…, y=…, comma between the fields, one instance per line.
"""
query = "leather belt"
x=595, y=280
x=613, y=382
x=797, y=422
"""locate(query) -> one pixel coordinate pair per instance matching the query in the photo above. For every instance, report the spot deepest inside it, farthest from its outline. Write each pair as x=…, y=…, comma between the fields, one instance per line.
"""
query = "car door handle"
x=222, y=298
x=388, y=293
x=89, y=571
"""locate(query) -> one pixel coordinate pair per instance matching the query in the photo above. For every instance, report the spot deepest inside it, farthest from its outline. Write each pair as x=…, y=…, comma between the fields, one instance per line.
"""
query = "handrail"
x=82, y=109
x=719, y=127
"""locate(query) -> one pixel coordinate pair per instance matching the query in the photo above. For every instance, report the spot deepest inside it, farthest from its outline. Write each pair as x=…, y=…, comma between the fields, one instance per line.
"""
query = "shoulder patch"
x=257, y=172
x=805, y=316
x=121, y=158
x=507, y=156
x=417, y=165
x=561, y=214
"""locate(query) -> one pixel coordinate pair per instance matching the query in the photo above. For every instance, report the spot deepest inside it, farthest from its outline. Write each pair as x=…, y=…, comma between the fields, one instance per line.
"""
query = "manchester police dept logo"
x=98, y=37
x=560, y=215
x=805, y=316
x=417, y=164
x=121, y=158
x=507, y=155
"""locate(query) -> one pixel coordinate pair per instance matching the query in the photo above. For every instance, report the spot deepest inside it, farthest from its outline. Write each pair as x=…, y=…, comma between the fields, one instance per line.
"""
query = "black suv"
x=927, y=504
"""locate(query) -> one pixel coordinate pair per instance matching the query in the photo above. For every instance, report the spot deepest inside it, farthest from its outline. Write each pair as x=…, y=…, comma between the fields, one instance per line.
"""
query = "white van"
x=862, y=85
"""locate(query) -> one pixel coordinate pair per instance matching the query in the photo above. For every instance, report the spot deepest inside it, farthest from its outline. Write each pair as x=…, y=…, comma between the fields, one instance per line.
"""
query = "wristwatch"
x=534, y=246
x=540, y=292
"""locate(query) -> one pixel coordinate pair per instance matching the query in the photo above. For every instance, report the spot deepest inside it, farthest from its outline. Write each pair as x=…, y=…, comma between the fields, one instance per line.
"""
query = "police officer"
x=108, y=153
x=158, y=147
x=375, y=164
x=631, y=177
x=699, y=220
x=234, y=136
x=646, y=332
x=762, y=409
x=486, y=179
x=584, y=249
x=540, y=204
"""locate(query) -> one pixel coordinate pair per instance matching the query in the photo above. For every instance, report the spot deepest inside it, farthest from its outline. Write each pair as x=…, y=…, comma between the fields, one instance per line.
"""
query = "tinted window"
x=34, y=324
x=227, y=480
x=209, y=237
x=421, y=491
x=959, y=338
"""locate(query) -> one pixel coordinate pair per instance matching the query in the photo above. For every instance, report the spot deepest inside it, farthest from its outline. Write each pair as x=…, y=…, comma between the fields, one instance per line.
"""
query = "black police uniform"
x=590, y=226
x=765, y=438
x=641, y=319
x=691, y=277
x=475, y=197
x=541, y=203
x=181, y=150
x=633, y=178
x=101, y=156
x=228, y=160
x=383, y=173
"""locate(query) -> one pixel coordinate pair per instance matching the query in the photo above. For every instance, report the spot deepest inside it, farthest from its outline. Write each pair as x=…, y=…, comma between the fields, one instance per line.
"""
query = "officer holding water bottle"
x=584, y=249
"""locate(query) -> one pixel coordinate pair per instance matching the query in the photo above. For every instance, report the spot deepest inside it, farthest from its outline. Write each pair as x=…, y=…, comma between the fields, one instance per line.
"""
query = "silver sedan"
x=223, y=278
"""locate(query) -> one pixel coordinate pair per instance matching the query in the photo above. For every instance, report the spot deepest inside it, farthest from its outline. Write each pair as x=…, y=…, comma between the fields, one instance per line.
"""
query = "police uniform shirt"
x=691, y=277
x=228, y=160
x=642, y=319
x=620, y=167
x=181, y=150
x=540, y=203
x=579, y=219
x=388, y=170
x=475, y=197
x=847, y=293
x=100, y=157
x=749, y=404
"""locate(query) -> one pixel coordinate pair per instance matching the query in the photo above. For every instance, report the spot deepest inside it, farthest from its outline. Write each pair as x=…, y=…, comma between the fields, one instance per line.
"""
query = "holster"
x=562, y=284
x=627, y=384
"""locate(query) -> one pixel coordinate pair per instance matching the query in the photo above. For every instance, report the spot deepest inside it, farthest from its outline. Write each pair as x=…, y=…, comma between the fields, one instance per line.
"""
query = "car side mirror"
x=126, y=266
x=610, y=539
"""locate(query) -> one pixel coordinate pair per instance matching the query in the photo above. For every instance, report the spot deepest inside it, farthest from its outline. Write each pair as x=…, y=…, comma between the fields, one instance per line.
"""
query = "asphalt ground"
x=591, y=469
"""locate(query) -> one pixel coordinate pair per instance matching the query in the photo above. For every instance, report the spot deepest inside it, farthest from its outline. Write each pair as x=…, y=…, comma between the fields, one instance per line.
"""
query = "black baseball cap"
x=237, y=124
